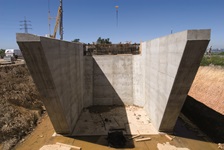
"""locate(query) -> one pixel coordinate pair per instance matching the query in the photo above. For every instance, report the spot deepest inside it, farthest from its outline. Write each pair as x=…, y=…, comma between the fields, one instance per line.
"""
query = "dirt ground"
x=208, y=87
x=20, y=104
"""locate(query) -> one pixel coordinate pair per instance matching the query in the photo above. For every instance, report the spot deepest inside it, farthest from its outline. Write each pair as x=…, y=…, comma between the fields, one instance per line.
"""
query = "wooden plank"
x=134, y=136
x=71, y=146
x=143, y=139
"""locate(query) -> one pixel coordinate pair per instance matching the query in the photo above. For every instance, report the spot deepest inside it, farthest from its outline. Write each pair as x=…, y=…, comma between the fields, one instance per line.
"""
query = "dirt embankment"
x=204, y=104
x=208, y=87
x=20, y=104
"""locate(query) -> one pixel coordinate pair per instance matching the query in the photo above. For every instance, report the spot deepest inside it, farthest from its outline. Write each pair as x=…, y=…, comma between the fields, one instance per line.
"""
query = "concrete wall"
x=171, y=63
x=113, y=80
x=158, y=79
x=57, y=69
x=88, y=81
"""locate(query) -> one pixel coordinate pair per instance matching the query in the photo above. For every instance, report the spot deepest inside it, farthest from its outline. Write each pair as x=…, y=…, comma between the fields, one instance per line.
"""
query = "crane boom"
x=58, y=18
x=58, y=21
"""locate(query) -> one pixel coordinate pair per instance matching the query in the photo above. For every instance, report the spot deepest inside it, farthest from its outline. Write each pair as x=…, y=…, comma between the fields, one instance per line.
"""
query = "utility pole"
x=61, y=21
x=25, y=25
x=116, y=15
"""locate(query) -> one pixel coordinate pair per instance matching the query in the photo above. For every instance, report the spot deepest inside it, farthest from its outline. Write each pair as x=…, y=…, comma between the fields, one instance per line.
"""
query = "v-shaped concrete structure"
x=158, y=79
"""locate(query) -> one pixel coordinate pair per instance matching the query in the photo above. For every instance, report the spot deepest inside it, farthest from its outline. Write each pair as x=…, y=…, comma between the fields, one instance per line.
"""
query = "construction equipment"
x=59, y=22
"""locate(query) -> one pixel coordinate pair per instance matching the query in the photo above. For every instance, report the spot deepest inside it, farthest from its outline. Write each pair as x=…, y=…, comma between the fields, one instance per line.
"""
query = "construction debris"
x=54, y=147
x=220, y=145
x=59, y=146
x=143, y=139
x=134, y=136
x=169, y=137
x=71, y=146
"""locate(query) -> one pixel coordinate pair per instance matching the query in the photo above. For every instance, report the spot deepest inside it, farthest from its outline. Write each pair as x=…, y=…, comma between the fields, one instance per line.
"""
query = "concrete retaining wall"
x=158, y=79
x=113, y=80
x=57, y=69
x=171, y=63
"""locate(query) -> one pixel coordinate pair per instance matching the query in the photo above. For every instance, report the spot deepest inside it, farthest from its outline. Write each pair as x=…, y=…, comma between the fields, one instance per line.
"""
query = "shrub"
x=216, y=60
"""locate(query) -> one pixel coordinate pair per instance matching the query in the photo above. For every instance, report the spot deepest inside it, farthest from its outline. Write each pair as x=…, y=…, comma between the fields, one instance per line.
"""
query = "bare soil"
x=204, y=104
x=208, y=88
x=20, y=104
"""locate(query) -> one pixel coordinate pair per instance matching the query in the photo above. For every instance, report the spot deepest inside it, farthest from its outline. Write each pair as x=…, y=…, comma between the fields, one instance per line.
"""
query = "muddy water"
x=42, y=135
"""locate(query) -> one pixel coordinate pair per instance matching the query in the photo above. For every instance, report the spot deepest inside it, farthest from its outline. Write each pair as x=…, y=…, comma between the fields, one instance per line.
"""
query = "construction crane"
x=58, y=23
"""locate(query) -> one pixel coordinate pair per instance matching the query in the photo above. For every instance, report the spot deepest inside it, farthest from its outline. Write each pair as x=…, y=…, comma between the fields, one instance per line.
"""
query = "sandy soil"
x=208, y=87
x=20, y=105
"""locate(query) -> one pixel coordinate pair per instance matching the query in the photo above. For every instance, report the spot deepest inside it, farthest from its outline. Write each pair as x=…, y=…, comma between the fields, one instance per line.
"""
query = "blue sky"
x=89, y=19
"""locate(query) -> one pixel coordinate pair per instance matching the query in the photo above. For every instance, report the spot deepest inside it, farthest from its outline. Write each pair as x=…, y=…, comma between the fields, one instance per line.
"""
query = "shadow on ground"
x=106, y=121
x=206, y=119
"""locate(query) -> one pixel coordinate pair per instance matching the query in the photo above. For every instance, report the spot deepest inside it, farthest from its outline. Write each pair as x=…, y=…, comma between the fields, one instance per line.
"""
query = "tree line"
x=98, y=41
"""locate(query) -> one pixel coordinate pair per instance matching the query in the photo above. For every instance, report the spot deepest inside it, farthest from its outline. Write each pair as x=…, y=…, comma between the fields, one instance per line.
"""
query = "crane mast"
x=61, y=20
x=59, y=23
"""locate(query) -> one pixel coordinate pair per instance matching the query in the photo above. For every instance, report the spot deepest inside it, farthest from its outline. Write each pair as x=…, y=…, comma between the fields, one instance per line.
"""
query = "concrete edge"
x=202, y=34
x=26, y=37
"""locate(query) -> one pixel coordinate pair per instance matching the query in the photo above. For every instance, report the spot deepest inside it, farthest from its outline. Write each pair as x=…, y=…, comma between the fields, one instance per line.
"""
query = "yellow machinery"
x=59, y=22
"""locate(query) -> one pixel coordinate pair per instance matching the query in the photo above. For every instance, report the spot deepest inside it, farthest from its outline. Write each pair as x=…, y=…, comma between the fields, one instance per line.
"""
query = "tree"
x=76, y=40
x=107, y=41
x=2, y=53
x=99, y=40
x=103, y=41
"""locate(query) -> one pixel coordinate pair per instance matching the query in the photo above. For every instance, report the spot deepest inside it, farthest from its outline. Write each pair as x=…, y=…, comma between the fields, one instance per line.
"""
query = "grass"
x=217, y=60
x=222, y=53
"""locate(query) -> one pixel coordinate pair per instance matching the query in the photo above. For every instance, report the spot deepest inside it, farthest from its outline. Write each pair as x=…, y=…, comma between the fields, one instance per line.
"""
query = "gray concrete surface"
x=113, y=80
x=158, y=79
x=171, y=63
x=57, y=70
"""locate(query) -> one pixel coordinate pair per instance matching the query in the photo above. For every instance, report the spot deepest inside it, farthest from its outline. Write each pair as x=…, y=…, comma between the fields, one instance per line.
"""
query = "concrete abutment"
x=158, y=79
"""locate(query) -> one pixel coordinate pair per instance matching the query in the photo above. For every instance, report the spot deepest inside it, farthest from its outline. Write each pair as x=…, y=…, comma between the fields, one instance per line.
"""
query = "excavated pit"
x=156, y=81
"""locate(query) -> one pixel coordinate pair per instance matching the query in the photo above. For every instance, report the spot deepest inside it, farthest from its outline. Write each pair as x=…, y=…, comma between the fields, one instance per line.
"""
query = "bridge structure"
x=157, y=80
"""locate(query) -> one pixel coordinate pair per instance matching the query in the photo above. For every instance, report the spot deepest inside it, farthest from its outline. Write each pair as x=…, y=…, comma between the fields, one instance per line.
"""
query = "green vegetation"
x=2, y=53
x=217, y=60
x=222, y=53
x=76, y=40
x=103, y=41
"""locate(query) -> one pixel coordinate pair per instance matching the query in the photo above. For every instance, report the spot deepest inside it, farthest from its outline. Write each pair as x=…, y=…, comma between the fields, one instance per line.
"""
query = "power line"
x=25, y=25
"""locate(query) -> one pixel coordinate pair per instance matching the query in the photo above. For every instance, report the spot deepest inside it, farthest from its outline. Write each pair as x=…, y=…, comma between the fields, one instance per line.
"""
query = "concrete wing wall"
x=171, y=63
x=57, y=69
